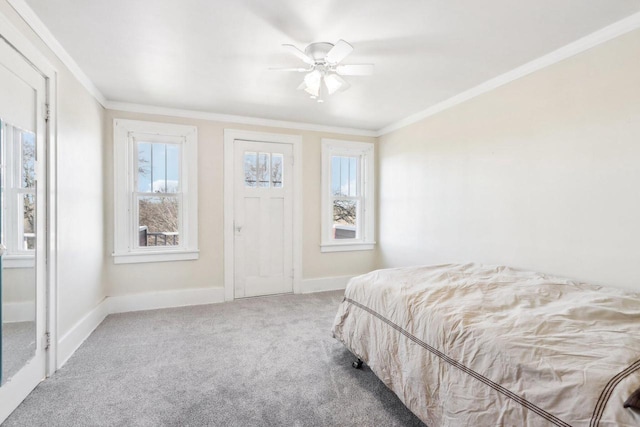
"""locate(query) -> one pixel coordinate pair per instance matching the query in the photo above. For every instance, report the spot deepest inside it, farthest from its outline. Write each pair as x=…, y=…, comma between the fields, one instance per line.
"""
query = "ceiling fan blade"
x=338, y=52
x=298, y=69
x=355, y=70
x=300, y=54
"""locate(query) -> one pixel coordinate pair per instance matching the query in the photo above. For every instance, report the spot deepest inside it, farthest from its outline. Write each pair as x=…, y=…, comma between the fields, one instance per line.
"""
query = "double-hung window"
x=18, y=186
x=155, y=192
x=347, y=196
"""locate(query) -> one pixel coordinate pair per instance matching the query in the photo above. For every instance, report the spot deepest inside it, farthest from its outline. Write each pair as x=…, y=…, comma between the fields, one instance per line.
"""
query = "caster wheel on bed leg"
x=357, y=364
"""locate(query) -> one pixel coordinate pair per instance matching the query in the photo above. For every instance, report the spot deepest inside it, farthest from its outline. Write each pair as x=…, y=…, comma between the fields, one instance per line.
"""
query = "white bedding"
x=471, y=345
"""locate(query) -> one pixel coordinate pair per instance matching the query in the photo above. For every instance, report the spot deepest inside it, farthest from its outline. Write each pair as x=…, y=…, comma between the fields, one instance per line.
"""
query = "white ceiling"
x=214, y=55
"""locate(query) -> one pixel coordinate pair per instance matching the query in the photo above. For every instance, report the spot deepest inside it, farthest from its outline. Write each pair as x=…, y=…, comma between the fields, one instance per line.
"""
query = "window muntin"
x=347, y=199
x=156, y=191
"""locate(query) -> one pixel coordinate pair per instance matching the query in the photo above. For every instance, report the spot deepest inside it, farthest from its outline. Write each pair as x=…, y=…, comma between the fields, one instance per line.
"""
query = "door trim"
x=39, y=61
x=230, y=136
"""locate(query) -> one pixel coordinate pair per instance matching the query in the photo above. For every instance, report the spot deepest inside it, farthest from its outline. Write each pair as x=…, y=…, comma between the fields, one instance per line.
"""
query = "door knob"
x=3, y=249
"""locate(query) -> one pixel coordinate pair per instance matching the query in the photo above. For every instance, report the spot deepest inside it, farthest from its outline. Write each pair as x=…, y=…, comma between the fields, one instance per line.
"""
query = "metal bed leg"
x=357, y=364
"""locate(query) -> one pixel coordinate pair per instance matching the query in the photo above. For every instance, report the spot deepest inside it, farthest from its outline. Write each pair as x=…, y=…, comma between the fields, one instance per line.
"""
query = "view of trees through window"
x=158, y=195
x=158, y=219
x=28, y=178
x=263, y=169
x=345, y=191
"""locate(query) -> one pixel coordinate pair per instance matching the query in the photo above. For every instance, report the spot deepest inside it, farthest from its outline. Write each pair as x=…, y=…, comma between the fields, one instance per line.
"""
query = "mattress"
x=474, y=345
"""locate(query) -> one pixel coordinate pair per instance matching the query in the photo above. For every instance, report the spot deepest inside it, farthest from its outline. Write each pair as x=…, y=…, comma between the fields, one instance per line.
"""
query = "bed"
x=474, y=345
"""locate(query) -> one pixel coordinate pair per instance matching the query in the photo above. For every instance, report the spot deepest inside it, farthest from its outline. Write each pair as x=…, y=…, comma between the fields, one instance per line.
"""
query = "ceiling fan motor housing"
x=318, y=51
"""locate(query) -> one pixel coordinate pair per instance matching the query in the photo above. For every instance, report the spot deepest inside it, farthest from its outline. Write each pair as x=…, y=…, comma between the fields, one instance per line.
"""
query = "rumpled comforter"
x=474, y=345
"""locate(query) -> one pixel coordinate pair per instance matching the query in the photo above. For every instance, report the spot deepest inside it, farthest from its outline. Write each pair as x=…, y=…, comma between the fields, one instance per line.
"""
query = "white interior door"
x=22, y=222
x=263, y=218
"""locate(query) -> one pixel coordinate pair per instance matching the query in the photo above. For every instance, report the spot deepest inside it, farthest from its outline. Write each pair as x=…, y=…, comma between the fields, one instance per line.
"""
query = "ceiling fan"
x=324, y=71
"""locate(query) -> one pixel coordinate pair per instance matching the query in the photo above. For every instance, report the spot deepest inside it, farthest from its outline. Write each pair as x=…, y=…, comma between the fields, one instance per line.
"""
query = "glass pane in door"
x=250, y=169
x=263, y=170
x=276, y=170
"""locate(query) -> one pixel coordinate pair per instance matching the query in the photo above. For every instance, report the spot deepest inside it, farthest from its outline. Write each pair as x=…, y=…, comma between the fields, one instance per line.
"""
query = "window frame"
x=12, y=225
x=126, y=135
x=365, y=219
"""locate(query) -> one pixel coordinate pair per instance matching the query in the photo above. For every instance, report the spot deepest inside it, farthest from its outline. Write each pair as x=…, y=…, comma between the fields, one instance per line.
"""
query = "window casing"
x=347, y=196
x=18, y=184
x=155, y=192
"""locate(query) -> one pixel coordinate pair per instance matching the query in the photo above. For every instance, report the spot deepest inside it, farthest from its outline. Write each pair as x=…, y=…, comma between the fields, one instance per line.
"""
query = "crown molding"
x=603, y=35
x=227, y=118
x=41, y=30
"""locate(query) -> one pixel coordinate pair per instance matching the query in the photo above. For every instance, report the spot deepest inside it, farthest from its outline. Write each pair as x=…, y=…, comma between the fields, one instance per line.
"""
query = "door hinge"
x=47, y=112
x=47, y=340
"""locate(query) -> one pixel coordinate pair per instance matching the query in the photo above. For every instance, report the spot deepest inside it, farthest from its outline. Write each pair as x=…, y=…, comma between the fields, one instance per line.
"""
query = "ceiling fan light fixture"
x=313, y=81
x=312, y=94
x=332, y=83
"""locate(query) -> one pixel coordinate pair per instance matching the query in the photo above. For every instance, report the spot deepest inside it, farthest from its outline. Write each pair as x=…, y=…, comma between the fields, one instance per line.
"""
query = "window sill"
x=18, y=261
x=349, y=246
x=164, y=256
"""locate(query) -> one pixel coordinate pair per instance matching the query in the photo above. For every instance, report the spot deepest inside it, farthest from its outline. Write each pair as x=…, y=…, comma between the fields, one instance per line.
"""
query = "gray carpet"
x=267, y=361
x=18, y=347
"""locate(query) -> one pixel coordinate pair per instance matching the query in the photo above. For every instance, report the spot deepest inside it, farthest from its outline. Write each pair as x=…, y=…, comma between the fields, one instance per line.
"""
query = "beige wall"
x=542, y=174
x=18, y=285
x=208, y=271
x=80, y=190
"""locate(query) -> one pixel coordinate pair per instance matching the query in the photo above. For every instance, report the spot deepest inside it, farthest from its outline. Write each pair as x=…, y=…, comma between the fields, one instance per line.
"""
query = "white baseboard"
x=323, y=284
x=165, y=299
x=69, y=343
x=13, y=312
